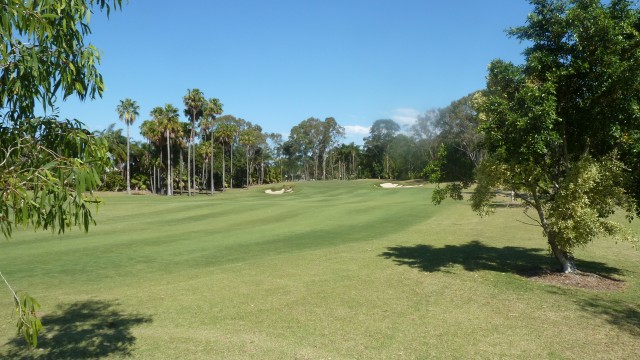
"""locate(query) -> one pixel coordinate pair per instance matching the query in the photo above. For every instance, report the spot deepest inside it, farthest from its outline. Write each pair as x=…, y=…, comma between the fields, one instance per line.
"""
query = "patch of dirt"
x=582, y=280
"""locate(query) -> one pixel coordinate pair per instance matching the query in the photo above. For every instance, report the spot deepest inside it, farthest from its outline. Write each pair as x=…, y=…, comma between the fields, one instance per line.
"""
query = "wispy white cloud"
x=405, y=117
x=356, y=130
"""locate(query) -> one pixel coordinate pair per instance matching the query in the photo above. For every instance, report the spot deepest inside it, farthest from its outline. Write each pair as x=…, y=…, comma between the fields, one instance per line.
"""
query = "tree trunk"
x=224, y=169
x=188, y=168
x=566, y=260
x=128, y=176
x=231, y=170
x=324, y=167
x=203, y=172
x=193, y=151
x=169, y=182
x=247, y=168
x=212, y=182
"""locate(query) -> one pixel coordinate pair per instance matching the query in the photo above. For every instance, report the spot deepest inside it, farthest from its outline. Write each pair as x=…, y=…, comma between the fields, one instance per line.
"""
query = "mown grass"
x=339, y=270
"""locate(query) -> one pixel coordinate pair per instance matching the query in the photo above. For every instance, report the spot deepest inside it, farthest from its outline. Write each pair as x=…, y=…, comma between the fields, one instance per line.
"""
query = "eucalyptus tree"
x=212, y=110
x=276, y=145
x=312, y=138
x=457, y=125
x=194, y=103
x=128, y=110
x=329, y=138
x=46, y=164
x=250, y=137
x=378, y=144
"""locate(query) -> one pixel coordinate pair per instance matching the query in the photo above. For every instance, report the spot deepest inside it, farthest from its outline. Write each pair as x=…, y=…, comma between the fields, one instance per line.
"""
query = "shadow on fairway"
x=475, y=256
x=623, y=315
x=90, y=329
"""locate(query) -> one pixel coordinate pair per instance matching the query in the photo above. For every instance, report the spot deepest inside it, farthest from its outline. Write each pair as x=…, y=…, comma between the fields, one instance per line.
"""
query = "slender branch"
x=15, y=296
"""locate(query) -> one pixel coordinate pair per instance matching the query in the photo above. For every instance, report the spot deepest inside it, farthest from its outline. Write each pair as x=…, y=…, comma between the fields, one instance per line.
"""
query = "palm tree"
x=151, y=131
x=194, y=104
x=212, y=109
x=224, y=133
x=167, y=119
x=128, y=111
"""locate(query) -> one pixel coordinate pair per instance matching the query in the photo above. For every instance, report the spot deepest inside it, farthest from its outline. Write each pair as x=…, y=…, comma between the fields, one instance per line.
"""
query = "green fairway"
x=338, y=270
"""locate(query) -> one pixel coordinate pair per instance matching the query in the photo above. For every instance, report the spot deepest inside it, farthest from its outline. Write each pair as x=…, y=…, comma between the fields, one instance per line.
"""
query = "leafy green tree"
x=561, y=130
x=251, y=137
x=116, y=143
x=128, y=110
x=378, y=144
x=46, y=165
x=331, y=134
x=457, y=125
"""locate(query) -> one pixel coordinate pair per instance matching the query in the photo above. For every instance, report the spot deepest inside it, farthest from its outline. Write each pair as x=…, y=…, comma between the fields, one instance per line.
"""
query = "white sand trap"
x=274, y=192
x=396, y=186
x=278, y=192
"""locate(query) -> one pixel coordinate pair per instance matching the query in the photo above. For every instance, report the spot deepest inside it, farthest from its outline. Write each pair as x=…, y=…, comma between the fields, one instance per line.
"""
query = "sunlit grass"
x=332, y=270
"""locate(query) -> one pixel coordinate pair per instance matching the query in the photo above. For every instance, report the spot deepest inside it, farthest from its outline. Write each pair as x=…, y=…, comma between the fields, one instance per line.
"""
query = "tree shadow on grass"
x=620, y=314
x=476, y=256
x=90, y=329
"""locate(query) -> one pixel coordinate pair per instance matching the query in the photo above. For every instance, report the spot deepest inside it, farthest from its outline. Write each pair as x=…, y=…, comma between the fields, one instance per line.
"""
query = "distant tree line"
x=209, y=151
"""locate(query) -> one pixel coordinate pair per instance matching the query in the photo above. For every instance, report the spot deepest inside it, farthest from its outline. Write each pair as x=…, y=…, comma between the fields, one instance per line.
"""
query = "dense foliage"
x=46, y=165
x=563, y=130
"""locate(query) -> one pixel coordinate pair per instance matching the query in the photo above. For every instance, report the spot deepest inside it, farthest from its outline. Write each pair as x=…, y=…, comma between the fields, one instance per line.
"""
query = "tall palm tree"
x=224, y=133
x=151, y=131
x=168, y=120
x=128, y=111
x=212, y=109
x=194, y=104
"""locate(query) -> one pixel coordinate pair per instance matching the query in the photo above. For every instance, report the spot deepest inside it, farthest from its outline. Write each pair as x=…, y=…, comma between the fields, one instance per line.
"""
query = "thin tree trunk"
x=193, y=153
x=204, y=173
x=231, y=171
x=247, y=168
x=152, y=177
x=324, y=167
x=212, y=181
x=182, y=173
x=261, y=171
x=169, y=182
x=224, y=169
x=128, y=176
x=188, y=169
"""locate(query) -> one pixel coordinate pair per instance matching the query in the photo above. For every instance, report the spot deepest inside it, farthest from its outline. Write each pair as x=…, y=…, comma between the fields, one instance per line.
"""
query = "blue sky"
x=279, y=62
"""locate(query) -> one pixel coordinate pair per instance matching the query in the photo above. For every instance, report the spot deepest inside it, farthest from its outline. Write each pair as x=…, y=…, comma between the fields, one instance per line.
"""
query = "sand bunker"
x=395, y=186
x=278, y=192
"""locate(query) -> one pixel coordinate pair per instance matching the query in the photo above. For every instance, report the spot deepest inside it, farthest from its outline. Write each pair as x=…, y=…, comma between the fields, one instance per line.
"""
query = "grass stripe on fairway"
x=332, y=270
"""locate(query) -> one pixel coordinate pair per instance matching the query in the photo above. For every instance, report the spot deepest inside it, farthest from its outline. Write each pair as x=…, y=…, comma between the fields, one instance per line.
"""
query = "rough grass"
x=339, y=270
